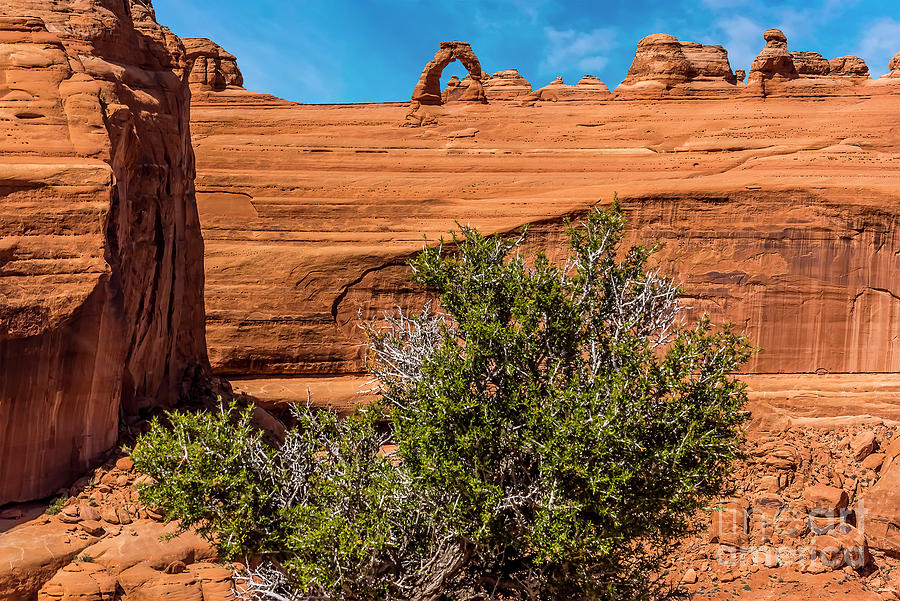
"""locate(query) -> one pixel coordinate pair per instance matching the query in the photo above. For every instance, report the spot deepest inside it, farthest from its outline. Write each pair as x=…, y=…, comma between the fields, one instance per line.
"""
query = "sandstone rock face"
x=101, y=259
x=849, y=66
x=458, y=89
x=592, y=83
x=210, y=67
x=777, y=72
x=774, y=61
x=82, y=581
x=894, y=66
x=588, y=88
x=659, y=57
x=31, y=555
x=428, y=90
x=777, y=215
x=708, y=60
x=879, y=510
x=452, y=89
x=663, y=64
x=810, y=63
x=506, y=85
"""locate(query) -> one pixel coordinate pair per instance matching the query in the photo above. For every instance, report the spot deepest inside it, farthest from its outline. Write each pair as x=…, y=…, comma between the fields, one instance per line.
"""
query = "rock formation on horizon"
x=813, y=64
x=810, y=63
x=894, y=67
x=506, y=85
x=428, y=89
x=592, y=82
x=663, y=63
x=101, y=258
x=849, y=66
x=776, y=71
x=210, y=66
x=588, y=87
x=773, y=61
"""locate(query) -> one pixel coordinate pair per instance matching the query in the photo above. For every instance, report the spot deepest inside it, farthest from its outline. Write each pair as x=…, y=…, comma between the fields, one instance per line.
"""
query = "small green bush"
x=56, y=506
x=556, y=428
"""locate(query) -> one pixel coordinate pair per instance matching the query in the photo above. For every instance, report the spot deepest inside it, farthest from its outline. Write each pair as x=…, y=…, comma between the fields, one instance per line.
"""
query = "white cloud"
x=742, y=35
x=584, y=50
x=592, y=64
x=878, y=43
x=742, y=38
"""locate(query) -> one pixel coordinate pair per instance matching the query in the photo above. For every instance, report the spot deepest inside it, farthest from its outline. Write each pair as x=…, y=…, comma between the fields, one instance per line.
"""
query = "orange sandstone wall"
x=101, y=258
x=779, y=214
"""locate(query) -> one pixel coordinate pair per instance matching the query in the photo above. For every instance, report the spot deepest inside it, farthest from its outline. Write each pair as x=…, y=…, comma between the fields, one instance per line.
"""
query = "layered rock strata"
x=848, y=66
x=506, y=85
x=778, y=72
x=663, y=65
x=776, y=215
x=588, y=88
x=101, y=258
x=810, y=63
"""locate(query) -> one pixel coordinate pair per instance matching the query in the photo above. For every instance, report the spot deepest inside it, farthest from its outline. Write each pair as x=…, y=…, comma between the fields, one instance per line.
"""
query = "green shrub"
x=556, y=430
x=56, y=506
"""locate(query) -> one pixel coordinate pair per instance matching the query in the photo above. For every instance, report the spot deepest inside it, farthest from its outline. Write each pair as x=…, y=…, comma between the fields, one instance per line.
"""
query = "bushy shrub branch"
x=556, y=427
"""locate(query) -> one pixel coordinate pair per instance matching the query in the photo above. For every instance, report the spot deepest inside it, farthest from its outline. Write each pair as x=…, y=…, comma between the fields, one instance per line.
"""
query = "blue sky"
x=374, y=50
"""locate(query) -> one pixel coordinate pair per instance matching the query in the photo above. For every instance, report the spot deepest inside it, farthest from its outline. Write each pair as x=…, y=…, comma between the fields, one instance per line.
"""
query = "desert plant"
x=56, y=506
x=556, y=428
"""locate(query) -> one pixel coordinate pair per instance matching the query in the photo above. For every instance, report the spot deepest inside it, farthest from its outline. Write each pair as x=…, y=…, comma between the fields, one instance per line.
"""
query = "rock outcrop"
x=810, y=63
x=773, y=61
x=879, y=508
x=104, y=541
x=210, y=67
x=777, y=72
x=428, y=89
x=592, y=83
x=663, y=65
x=506, y=85
x=894, y=67
x=588, y=88
x=848, y=66
x=797, y=517
x=776, y=215
x=452, y=90
x=101, y=258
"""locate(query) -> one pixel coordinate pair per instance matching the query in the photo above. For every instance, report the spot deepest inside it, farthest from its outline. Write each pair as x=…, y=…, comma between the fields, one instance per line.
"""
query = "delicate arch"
x=428, y=90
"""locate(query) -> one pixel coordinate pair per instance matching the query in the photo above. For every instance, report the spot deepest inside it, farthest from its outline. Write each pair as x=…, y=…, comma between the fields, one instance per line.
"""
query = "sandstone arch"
x=428, y=90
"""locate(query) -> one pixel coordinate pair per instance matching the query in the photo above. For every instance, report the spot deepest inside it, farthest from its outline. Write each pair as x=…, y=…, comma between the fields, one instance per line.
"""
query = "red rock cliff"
x=778, y=214
x=101, y=258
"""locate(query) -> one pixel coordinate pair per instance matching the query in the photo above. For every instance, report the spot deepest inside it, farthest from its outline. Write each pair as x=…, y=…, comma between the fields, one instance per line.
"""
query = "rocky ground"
x=98, y=542
x=806, y=520
x=811, y=516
